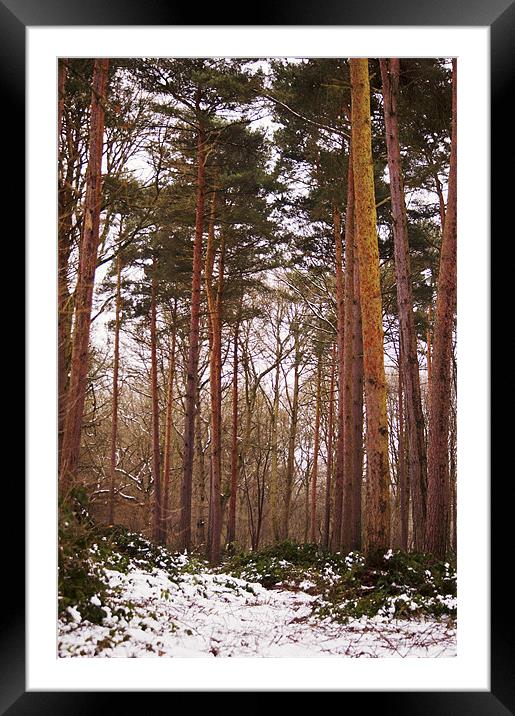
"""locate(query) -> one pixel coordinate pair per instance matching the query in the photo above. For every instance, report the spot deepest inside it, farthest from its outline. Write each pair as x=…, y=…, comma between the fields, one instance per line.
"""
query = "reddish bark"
x=193, y=355
x=377, y=532
x=453, y=486
x=217, y=418
x=86, y=276
x=428, y=345
x=214, y=301
x=357, y=407
x=417, y=460
x=441, y=379
x=402, y=478
x=231, y=527
x=340, y=313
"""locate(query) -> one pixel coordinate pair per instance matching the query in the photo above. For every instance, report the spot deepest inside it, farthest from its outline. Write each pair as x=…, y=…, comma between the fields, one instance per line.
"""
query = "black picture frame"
x=15, y=17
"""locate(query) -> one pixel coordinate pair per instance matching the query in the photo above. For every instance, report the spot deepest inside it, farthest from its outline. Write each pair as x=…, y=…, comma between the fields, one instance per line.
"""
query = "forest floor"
x=174, y=606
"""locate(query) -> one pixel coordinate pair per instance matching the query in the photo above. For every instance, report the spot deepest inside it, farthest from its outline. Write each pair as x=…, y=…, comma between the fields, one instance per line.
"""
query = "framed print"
x=478, y=679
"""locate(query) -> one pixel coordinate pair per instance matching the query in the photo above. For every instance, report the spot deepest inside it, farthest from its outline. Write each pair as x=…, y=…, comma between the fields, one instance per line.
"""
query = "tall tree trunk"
x=65, y=313
x=452, y=458
x=64, y=302
x=441, y=379
x=316, y=448
x=402, y=478
x=214, y=302
x=274, y=458
x=69, y=166
x=330, y=431
x=208, y=273
x=441, y=201
x=377, y=531
x=116, y=363
x=453, y=486
x=244, y=457
x=428, y=343
x=193, y=356
x=340, y=315
x=167, y=448
x=86, y=277
x=217, y=413
x=417, y=459
x=357, y=405
x=62, y=72
x=231, y=526
x=201, y=537
x=290, y=464
x=307, y=503
x=156, y=453
x=260, y=484
x=349, y=509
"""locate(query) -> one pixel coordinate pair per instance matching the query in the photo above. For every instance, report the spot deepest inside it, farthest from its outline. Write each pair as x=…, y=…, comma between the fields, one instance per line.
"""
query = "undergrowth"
x=391, y=585
x=87, y=549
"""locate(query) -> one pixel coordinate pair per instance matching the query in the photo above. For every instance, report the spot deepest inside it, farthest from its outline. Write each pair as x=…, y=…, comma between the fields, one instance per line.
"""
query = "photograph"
x=257, y=441
x=258, y=294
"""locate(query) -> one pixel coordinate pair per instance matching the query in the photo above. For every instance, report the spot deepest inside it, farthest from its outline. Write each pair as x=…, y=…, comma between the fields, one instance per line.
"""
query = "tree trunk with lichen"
x=377, y=523
x=357, y=405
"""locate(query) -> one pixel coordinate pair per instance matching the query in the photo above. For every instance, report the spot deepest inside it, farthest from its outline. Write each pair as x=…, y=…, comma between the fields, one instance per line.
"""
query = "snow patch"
x=218, y=615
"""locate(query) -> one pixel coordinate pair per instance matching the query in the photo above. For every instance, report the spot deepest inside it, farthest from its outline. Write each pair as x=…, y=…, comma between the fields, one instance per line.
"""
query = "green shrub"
x=391, y=585
x=87, y=549
x=401, y=585
x=80, y=578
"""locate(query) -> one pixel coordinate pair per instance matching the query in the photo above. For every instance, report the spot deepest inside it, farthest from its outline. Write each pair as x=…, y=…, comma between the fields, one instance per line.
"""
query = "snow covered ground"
x=208, y=615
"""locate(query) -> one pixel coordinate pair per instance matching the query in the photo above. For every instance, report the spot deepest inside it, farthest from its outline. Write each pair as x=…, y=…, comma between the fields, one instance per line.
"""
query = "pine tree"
x=86, y=276
x=438, y=502
x=196, y=90
x=417, y=460
x=377, y=526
